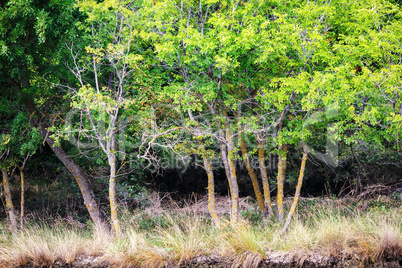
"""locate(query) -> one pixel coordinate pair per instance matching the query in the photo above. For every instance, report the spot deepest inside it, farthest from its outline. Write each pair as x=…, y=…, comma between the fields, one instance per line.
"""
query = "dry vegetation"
x=158, y=237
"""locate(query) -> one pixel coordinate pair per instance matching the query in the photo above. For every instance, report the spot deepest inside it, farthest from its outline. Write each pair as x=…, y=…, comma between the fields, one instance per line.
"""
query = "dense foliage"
x=115, y=92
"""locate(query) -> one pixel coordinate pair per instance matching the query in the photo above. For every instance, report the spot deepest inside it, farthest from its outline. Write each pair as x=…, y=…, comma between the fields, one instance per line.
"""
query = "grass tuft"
x=174, y=238
x=390, y=245
x=42, y=245
x=186, y=238
x=244, y=244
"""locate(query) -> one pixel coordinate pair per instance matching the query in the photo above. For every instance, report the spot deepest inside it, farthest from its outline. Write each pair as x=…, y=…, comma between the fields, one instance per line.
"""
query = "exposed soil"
x=273, y=260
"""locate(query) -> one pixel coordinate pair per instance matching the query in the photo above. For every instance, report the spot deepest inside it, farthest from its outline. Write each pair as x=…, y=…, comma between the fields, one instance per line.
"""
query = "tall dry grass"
x=43, y=245
x=244, y=243
x=172, y=238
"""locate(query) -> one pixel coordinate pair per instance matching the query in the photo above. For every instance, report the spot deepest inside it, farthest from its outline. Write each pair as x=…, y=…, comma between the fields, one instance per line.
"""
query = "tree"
x=18, y=143
x=294, y=45
x=107, y=70
x=204, y=42
x=30, y=50
x=372, y=75
x=329, y=68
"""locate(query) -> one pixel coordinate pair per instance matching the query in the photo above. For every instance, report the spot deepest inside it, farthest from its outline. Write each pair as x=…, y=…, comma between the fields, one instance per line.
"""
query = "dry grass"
x=186, y=238
x=42, y=246
x=183, y=239
x=243, y=243
x=176, y=238
x=100, y=236
x=298, y=238
x=390, y=245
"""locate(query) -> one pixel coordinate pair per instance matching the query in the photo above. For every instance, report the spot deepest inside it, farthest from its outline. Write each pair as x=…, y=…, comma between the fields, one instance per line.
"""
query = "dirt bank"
x=272, y=260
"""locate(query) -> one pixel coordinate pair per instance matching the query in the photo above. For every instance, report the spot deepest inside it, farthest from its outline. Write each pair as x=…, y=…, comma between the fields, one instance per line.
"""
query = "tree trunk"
x=211, y=191
x=229, y=169
x=112, y=194
x=264, y=177
x=282, y=160
x=22, y=176
x=224, y=156
x=252, y=175
x=9, y=201
x=79, y=176
x=232, y=169
x=281, y=180
x=210, y=174
x=111, y=154
x=297, y=193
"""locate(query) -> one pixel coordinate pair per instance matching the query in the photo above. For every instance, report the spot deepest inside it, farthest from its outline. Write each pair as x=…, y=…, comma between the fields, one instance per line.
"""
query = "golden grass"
x=243, y=243
x=298, y=238
x=100, y=237
x=167, y=239
x=42, y=246
x=186, y=238
x=390, y=245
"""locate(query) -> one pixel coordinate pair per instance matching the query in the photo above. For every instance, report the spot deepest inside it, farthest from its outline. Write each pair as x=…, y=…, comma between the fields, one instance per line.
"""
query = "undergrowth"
x=173, y=238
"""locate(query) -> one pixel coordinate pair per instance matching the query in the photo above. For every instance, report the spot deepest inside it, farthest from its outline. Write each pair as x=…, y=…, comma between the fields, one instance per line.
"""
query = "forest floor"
x=326, y=232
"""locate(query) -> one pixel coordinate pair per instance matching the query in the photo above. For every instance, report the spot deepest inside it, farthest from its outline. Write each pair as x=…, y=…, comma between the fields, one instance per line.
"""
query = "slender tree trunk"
x=210, y=174
x=224, y=155
x=112, y=194
x=79, y=176
x=297, y=193
x=252, y=175
x=232, y=169
x=211, y=191
x=229, y=168
x=282, y=160
x=22, y=176
x=235, y=188
x=281, y=180
x=264, y=177
x=112, y=183
x=9, y=201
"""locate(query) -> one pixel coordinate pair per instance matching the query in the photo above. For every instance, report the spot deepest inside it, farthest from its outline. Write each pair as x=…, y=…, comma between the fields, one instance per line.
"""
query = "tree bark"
x=112, y=195
x=264, y=178
x=281, y=180
x=297, y=193
x=22, y=177
x=224, y=155
x=9, y=202
x=253, y=176
x=226, y=152
x=232, y=169
x=111, y=154
x=79, y=176
x=210, y=174
x=282, y=159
